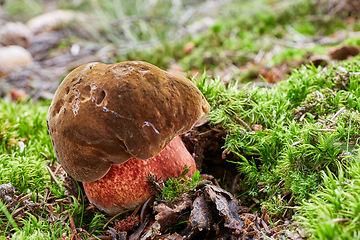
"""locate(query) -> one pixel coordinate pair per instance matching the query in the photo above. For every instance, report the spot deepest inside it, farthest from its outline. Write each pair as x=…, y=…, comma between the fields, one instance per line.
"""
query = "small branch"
x=329, y=120
x=57, y=169
x=302, y=117
x=296, y=143
x=243, y=123
x=354, y=73
x=338, y=113
x=17, y=211
x=331, y=124
x=26, y=197
x=337, y=220
x=321, y=121
x=342, y=69
x=326, y=130
x=53, y=177
x=290, y=207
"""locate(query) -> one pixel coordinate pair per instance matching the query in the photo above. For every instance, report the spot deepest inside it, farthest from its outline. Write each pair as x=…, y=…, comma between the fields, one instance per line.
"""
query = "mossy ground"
x=285, y=162
x=295, y=142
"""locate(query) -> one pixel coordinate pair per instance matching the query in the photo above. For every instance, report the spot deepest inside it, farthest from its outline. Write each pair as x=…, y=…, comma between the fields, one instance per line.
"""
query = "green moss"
x=292, y=147
x=333, y=213
x=174, y=187
x=25, y=169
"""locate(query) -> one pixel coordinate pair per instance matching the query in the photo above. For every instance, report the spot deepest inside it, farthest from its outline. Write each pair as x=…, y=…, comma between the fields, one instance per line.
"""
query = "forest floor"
x=282, y=134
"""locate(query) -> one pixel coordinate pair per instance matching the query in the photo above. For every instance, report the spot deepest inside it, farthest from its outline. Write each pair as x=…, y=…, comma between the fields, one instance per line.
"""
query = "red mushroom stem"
x=125, y=186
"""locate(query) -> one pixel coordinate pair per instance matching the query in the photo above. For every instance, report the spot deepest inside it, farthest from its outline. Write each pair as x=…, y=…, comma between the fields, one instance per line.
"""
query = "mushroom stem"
x=125, y=186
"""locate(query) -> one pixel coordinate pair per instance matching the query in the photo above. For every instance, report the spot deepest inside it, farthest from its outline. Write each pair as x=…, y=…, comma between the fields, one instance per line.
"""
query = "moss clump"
x=333, y=212
x=308, y=123
x=173, y=188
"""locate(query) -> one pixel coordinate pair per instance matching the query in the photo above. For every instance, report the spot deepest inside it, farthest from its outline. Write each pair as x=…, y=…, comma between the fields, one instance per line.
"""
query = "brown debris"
x=319, y=60
x=17, y=205
x=349, y=7
x=205, y=143
x=342, y=53
x=174, y=236
x=200, y=216
x=227, y=206
x=189, y=47
x=214, y=215
x=17, y=94
x=166, y=219
x=127, y=224
x=183, y=203
x=274, y=74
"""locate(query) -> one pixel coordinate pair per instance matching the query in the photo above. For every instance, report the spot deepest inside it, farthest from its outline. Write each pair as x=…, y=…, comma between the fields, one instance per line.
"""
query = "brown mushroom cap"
x=105, y=114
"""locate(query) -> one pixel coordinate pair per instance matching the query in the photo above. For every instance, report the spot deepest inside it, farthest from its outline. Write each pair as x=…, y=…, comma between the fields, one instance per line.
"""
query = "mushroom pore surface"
x=106, y=114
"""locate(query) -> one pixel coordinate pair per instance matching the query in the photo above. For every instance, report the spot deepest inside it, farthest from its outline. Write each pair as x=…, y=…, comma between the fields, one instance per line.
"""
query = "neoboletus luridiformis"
x=108, y=124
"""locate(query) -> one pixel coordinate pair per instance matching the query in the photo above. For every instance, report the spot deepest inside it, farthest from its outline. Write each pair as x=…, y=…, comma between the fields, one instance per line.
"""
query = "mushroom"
x=15, y=33
x=12, y=57
x=112, y=125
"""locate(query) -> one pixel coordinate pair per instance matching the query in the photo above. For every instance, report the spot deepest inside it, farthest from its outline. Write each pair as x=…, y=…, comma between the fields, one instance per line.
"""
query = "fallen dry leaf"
x=227, y=206
x=189, y=47
x=200, y=216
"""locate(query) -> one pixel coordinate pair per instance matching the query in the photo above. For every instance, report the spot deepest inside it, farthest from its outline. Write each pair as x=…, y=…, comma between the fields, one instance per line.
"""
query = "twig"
x=15, y=201
x=290, y=207
x=47, y=194
x=53, y=177
x=225, y=152
x=354, y=73
x=321, y=121
x=136, y=234
x=322, y=71
x=298, y=37
x=17, y=211
x=265, y=226
x=277, y=187
x=145, y=208
x=25, y=197
x=337, y=220
x=296, y=143
x=259, y=56
x=235, y=183
x=72, y=227
x=243, y=123
x=302, y=117
x=342, y=69
x=287, y=207
x=329, y=120
x=57, y=169
x=338, y=113
x=101, y=237
x=331, y=124
x=326, y=130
